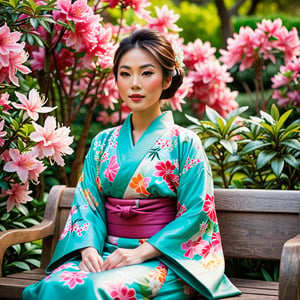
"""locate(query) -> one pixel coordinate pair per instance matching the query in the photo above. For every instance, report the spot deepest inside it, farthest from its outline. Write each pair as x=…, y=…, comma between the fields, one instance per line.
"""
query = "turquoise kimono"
x=167, y=161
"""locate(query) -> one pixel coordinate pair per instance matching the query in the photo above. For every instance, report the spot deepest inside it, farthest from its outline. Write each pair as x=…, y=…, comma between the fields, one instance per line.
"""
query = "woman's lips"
x=136, y=97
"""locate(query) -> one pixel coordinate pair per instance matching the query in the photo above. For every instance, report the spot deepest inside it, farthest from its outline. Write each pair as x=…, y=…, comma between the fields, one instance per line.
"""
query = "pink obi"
x=138, y=218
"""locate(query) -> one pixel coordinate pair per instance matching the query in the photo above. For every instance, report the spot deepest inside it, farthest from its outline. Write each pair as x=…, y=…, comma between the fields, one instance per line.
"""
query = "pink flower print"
x=209, y=207
x=194, y=247
x=112, y=169
x=62, y=267
x=119, y=291
x=72, y=278
x=174, y=131
x=165, y=170
x=216, y=241
x=205, y=251
x=181, y=209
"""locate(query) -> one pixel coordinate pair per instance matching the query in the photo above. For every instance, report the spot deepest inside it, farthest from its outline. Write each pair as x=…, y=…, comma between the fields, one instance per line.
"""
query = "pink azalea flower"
x=72, y=278
x=137, y=5
x=8, y=44
x=198, y=52
x=77, y=11
x=209, y=208
x=112, y=169
x=33, y=105
x=4, y=101
x=24, y=164
x=17, y=194
x=164, y=21
x=181, y=93
x=51, y=142
x=2, y=133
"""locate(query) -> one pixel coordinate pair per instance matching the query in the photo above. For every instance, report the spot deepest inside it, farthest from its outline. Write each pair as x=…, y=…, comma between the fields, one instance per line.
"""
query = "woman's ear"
x=167, y=82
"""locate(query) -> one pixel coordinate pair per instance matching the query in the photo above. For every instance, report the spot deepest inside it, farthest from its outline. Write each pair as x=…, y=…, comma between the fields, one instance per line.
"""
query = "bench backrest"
x=253, y=223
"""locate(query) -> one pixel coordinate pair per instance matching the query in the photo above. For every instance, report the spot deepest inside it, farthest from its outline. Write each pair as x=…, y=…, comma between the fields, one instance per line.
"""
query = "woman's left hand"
x=125, y=257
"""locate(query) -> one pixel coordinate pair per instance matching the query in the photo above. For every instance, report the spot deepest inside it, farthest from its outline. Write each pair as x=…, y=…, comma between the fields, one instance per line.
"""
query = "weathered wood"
x=290, y=270
x=259, y=224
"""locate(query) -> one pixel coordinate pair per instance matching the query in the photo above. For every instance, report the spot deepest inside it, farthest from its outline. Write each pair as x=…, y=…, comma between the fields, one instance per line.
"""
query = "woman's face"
x=140, y=80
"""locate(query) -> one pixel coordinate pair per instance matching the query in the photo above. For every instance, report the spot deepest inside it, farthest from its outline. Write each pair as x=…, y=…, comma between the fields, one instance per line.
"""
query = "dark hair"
x=157, y=45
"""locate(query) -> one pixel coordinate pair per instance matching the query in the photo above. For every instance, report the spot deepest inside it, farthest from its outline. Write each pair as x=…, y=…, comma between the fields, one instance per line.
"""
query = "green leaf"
x=283, y=118
x=230, y=146
x=291, y=160
x=209, y=141
x=264, y=157
x=22, y=265
x=45, y=25
x=33, y=261
x=267, y=117
x=17, y=248
x=266, y=275
x=34, y=23
x=236, y=112
x=212, y=114
x=277, y=166
x=253, y=146
x=221, y=125
x=275, y=112
x=193, y=119
x=292, y=143
x=3, y=185
x=4, y=217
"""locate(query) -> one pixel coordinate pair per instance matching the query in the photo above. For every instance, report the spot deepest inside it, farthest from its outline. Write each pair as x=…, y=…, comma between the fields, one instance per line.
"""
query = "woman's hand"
x=125, y=257
x=91, y=260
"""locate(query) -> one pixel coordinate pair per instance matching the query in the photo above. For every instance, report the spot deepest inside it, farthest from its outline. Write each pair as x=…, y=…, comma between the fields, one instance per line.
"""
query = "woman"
x=143, y=223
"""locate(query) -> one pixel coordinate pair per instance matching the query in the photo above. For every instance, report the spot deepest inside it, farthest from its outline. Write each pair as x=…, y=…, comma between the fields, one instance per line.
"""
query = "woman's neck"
x=141, y=121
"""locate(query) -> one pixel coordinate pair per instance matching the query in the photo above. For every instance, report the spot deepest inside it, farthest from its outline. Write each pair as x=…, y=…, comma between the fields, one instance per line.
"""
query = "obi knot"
x=126, y=211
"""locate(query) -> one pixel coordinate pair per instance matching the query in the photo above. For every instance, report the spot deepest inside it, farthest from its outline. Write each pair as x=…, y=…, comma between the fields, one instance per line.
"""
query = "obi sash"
x=138, y=218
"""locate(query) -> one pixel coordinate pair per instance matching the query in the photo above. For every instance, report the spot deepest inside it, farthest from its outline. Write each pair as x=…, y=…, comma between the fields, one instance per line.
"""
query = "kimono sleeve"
x=86, y=223
x=191, y=244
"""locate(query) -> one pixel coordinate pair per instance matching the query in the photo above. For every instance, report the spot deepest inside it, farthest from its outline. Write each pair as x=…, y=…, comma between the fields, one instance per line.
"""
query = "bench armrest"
x=42, y=230
x=289, y=278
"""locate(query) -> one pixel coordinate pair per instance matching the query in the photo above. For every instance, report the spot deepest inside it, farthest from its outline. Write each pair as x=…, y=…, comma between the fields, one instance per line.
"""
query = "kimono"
x=168, y=161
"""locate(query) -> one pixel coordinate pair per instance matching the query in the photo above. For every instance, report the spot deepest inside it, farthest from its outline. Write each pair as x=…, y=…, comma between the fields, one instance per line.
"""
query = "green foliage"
x=258, y=152
x=252, y=269
x=220, y=137
x=22, y=257
x=199, y=22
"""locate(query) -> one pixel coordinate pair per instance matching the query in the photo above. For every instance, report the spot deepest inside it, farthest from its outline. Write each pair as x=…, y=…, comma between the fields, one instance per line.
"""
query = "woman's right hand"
x=91, y=260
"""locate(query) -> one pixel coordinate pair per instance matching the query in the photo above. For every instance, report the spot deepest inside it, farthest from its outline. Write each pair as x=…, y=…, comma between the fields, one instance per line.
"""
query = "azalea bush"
x=26, y=147
x=252, y=52
x=71, y=46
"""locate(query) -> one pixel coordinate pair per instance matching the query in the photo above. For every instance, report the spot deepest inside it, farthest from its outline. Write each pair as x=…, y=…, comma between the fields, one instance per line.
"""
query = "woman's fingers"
x=91, y=260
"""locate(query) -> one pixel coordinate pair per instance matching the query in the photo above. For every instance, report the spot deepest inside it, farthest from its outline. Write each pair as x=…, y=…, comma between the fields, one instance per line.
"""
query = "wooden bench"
x=259, y=224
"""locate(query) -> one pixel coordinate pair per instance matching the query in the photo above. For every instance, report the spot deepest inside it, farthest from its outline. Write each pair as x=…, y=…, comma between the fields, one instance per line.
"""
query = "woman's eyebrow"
x=141, y=67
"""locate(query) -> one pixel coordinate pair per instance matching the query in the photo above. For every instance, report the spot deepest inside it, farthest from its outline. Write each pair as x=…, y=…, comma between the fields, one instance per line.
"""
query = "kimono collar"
x=129, y=156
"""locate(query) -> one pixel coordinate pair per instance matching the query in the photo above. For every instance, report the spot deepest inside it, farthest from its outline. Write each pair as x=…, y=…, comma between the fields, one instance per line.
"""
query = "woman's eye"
x=147, y=73
x=124, y=74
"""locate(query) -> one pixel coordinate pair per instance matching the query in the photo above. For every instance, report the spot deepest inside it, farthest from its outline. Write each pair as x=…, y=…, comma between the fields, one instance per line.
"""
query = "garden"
x=57, y=91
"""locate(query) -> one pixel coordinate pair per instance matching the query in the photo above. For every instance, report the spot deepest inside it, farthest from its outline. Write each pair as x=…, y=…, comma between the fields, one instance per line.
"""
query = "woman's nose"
x=135, y=83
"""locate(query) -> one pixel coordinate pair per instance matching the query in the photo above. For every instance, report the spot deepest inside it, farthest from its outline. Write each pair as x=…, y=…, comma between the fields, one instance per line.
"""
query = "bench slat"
x=249, y=200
